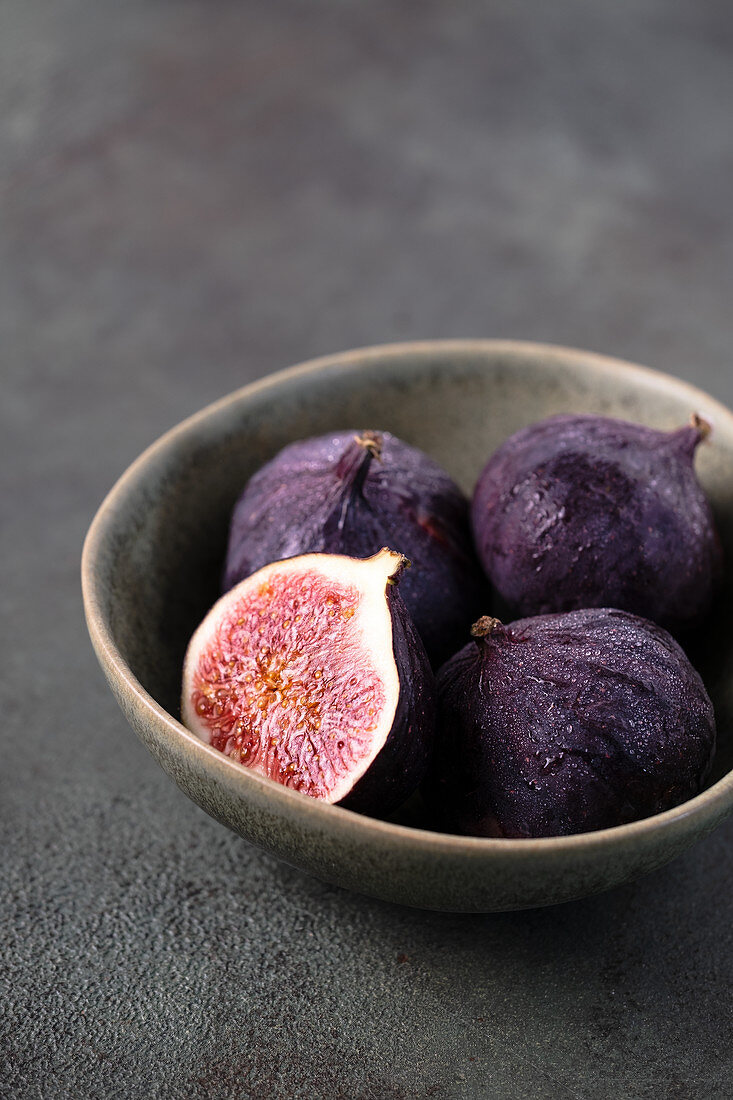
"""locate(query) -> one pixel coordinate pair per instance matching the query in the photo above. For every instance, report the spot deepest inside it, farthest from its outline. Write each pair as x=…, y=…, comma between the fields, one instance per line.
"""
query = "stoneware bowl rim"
x=711, y=805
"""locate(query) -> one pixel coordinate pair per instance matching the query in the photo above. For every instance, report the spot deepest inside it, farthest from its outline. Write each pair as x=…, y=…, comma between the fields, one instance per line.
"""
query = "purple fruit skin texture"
x=399, y=768
x=568, y=723
x=329, y=495
x=586, y=511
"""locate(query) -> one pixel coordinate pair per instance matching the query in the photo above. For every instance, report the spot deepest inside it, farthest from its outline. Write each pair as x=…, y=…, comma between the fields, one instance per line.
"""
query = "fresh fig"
x=567, y=723
x=589, y=511
x=311, y=672
x=352, y=492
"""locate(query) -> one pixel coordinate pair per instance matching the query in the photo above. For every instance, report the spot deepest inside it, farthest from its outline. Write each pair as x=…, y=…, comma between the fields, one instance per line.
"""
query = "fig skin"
x=286, y=661
x=401, y=764
x=589, y=511
x=352, y=492
x=567, y=723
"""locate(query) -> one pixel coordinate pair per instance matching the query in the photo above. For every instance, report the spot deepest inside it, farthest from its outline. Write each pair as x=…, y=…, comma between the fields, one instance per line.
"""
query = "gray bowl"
x=152, y=562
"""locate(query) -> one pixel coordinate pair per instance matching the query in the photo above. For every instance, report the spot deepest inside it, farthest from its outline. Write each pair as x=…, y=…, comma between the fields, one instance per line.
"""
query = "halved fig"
x=311, y=673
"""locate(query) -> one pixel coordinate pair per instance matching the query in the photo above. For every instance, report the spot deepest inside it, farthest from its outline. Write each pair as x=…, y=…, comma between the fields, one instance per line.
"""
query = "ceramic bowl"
x=152, y=562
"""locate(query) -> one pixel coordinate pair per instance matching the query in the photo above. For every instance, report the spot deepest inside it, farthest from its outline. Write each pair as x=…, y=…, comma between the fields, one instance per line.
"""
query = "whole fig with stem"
x=590, y=511
x=567, y=723
x=352, y=492
x=310, y=672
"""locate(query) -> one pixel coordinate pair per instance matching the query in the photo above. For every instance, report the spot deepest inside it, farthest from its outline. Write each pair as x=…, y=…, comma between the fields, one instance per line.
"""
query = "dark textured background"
x=194, y=194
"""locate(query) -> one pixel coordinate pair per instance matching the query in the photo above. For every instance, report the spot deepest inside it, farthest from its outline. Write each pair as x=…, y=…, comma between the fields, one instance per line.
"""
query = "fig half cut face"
x=311, y=673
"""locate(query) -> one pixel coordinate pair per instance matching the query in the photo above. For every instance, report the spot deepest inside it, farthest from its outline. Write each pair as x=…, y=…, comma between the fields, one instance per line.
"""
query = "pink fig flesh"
x=309, y=672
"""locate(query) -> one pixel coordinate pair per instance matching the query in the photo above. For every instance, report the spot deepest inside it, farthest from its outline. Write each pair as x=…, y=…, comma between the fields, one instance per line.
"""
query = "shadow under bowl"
x=152, y=562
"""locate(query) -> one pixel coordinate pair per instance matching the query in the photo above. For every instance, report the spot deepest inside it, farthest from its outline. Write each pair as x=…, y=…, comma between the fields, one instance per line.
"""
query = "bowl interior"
x=160, y=564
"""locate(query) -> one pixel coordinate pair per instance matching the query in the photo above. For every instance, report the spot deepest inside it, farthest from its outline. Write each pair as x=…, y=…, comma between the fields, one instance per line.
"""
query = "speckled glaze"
x=152, y=562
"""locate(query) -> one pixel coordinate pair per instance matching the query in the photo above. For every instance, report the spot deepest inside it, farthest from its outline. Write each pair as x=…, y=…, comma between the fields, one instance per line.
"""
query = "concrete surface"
x=192, y=195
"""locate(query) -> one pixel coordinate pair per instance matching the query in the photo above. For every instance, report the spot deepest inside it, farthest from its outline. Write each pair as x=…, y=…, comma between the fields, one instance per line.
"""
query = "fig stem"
x=371, y=441
x=702, y=426
x=484, y=626
x=357, y=458
x=403, y=564
x=354, y=467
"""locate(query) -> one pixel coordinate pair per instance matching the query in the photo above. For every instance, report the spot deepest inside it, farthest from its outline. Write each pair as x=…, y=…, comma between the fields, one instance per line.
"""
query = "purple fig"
x=588, y=511
x=311, y=672
x=567, y=723
x=352, y=493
